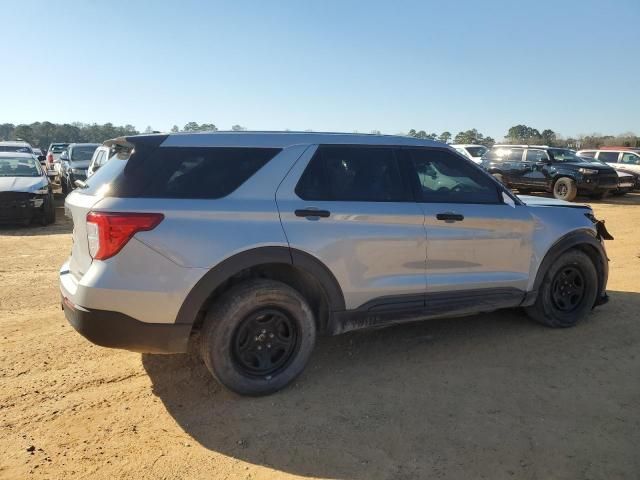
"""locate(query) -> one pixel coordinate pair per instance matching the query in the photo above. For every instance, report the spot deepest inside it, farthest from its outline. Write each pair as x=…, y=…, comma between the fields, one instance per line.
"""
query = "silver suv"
x=254, y=243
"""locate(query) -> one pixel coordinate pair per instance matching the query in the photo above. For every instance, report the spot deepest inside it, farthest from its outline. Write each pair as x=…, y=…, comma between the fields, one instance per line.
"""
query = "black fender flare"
x=571, y=240
x=216, y=276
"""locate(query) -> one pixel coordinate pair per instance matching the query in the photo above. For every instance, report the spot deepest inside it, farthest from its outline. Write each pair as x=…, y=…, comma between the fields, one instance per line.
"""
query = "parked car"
x=53, y=158
x=17, y=146
x=74, y=162
x=624, y=159
x=471, y=151
x=557, y=170
x=99, y=158
x=40, y=156
x=25, y=190
x=257, y=242
x=627, y=181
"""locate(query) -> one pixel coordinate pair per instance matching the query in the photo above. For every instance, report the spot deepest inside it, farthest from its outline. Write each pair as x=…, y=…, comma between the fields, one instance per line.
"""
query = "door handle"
x=450, y=217
x=312, y=212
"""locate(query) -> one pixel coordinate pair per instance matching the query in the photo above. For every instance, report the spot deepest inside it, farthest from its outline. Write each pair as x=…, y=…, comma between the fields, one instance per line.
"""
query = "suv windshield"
x=19, y=167
x=82, y=153
x=477, y=151
x=564, y=155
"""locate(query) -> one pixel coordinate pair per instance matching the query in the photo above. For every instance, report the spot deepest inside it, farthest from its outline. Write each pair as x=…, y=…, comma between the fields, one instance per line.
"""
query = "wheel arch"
x=298, y=269
x=584, y=240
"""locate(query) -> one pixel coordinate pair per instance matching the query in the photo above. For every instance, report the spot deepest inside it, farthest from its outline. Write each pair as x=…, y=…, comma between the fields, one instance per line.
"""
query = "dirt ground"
x=492, y=396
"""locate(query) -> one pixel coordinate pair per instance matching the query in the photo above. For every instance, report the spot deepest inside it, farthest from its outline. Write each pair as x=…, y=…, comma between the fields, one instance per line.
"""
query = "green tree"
x=238, y=128
x=548, y=137
x=445, y=137
x=175, y=129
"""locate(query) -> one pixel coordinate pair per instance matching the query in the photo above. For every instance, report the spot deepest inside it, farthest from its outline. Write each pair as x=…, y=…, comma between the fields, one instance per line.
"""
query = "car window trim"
x=416, y=188
x=409, y=196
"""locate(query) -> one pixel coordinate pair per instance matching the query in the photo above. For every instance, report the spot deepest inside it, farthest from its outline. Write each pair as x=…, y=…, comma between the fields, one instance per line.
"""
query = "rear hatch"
x=80, y=202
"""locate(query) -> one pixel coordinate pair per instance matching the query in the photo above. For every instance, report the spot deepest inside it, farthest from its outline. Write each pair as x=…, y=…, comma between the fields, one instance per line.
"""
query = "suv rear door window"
x=609, y=157
x=536, y=156
x=352, y=174
x=446, y=178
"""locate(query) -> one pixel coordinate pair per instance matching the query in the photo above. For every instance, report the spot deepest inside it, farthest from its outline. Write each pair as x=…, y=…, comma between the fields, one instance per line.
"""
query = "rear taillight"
x=107, y=233
x=50, y=158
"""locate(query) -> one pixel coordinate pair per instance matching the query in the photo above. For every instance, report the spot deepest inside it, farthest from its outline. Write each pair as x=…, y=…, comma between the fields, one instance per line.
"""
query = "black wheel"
x=565, y=188
x=568, y=291
x=258, y=337
x=49, y=216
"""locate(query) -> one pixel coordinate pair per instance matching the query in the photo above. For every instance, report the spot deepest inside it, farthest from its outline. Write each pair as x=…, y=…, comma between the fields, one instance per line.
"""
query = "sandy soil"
x=491, y=396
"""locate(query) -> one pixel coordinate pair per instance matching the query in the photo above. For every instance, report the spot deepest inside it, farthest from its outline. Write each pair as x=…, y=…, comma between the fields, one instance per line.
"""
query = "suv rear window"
x=179, y=172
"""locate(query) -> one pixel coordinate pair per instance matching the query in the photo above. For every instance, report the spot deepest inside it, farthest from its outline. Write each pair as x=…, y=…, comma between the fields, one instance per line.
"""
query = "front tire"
x=568, y=291
x=565, y=188
x=258, y=337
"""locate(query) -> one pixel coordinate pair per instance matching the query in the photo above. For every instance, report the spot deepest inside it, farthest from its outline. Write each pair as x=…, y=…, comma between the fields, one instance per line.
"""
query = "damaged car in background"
x=26, y=193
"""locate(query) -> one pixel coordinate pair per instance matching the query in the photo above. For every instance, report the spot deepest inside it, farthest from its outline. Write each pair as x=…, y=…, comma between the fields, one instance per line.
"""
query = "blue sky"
x=572, y=66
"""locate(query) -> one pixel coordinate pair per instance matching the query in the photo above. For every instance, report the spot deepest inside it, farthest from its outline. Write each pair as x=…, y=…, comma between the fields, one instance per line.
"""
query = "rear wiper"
x=81, y=184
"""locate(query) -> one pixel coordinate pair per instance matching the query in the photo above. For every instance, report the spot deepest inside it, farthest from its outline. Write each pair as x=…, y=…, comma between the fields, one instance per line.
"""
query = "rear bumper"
x=117, y=330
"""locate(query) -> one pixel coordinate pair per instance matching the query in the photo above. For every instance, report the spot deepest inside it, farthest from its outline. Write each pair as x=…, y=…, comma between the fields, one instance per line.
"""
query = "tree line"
x=42, y=134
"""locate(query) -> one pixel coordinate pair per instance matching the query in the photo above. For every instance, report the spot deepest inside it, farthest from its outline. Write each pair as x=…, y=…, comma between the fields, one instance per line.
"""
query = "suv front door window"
x=474, y=240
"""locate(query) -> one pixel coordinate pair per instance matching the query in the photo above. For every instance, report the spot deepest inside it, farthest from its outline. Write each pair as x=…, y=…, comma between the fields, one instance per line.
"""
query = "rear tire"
x=258, y=337
x=568, y=291
x=565, y=188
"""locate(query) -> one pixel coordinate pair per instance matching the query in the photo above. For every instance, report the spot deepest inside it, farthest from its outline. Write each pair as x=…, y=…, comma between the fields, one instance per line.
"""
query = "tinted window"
x=503, y=154
x=587, y=154
x=610, y=157
x=185, y=172
x=630, y=158
x=357, y=174
x=476, y=151
x=445, y=178
x=536, y=156
x=15, y=148
x=82, y=153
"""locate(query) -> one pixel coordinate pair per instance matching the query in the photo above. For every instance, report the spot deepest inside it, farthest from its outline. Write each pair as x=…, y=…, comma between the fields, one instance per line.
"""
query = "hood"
x=532, y=201
x=82, y=164
x=592, y=165
x=21, y=184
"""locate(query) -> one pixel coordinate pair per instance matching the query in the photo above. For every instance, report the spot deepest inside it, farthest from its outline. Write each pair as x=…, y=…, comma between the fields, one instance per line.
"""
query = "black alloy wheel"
x=265, y=342
x=568, y=289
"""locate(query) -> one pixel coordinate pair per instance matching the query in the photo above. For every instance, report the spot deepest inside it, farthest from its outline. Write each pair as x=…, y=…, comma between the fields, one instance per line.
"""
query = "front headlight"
x=588, y=171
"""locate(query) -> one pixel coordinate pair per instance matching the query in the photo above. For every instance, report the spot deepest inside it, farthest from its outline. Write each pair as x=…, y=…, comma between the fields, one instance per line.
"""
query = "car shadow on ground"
x=489, y=395
x=62, y=225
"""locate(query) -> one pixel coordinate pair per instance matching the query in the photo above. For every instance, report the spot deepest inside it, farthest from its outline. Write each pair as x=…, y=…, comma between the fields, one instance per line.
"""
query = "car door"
x=630, y=162
x=609, y=157
x=350, y=207
x=512, y=166
x=479, y=247
x=536, y=162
